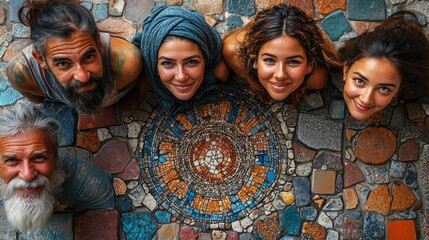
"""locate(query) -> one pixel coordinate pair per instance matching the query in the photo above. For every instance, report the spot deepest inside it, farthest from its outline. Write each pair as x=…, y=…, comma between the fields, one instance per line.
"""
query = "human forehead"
x=179, y=44
x=77, y=43
x=26, y=143
x=283, y=45
x=378, y=67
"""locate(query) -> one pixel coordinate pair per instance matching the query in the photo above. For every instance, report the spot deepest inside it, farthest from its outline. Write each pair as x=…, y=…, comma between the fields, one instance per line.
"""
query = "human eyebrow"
x=361, y=76
x=192, y=57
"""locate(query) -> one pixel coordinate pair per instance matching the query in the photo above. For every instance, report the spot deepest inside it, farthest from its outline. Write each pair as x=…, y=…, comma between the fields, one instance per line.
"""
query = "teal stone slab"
x=241, y=7
x=101, y=11
x=335, y=25
x=366, y=10
x=9, y=96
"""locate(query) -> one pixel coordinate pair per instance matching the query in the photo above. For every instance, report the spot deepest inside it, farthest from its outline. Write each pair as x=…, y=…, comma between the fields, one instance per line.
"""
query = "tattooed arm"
x=126, y=62
x=22, y=80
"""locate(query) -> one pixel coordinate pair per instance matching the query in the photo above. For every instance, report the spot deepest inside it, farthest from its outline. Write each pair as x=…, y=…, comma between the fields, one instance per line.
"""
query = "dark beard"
x=87, y=102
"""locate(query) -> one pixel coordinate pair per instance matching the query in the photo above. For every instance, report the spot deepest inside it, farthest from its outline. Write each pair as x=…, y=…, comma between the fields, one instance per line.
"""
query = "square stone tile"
x=323, y=181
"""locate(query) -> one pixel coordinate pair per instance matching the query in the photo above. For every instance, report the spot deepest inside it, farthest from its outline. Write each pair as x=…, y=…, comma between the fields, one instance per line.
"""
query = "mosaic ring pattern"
x=214, y=161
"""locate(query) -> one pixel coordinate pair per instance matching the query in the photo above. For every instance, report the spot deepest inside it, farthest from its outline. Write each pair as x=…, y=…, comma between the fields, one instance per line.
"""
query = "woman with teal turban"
x=175, y=74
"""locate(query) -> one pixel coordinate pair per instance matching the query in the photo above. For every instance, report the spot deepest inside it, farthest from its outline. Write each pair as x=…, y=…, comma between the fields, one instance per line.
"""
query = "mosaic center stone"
x=216, y=160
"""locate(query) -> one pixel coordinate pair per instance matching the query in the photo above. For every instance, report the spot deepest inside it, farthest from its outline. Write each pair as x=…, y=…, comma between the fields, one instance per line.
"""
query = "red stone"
x=351, y=198
x=131, y=172
x=303, y=153
x=106, y=117
x=88, y=141
x=315, y=230
x=97, y=225
x=305, y=5
x=401, y=229
x=113, y=156
x=352, y=174
x=414, y=111
x=374, y=145
x=409, y=151
x=130, y=101
x=232, y=235
x=379, y=200
x=188, y=233
x=328, y=6
x=352, y=228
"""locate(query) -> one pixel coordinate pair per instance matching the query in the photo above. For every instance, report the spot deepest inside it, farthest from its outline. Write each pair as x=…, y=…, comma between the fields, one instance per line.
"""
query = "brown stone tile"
x=131, y=172
x=352, y=174
x=119, y=186
x=97, y=225
x=350, y=134
x=319, y=201
x=113, y=156
x=323, y=182
x=328, y=6
x=88, y=141
x=401, y=230
x=403, y=197
x=415, y=111
x=361, y=26
x=130, y=101
x=302, y=153
x=305, y=5
x=315, y=230
x=379, y=200
x=350, y=197
x=107, y=116
x=261, y=4
x=409, y=151
x=374, y=145
x=352, y=228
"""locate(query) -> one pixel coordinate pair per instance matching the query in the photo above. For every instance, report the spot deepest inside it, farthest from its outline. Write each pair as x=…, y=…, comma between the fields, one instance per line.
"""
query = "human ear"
x=345, y=71
x=40, y=59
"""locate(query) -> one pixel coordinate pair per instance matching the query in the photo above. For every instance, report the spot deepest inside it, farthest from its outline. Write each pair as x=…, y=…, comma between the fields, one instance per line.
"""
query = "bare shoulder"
x=125, y=60
x=232, y=41
x=21, y=78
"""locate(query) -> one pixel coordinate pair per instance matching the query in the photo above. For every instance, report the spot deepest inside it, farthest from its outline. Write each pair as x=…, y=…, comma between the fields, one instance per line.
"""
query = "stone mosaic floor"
x=231, y=167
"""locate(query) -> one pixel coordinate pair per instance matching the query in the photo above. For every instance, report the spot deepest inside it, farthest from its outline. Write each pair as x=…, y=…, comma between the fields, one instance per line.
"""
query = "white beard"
x=30, y=211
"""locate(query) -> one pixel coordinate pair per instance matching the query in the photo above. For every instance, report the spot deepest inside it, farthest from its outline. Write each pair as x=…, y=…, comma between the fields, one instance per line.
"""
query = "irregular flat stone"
x=366, y=10
x=100, y=11
x=409, y=151
x=336, y=111
x=374, y=145
x=308, y=213
x=424, y=177
x=352, y=174
x=314, y=230
x=410, y=178
x=327, y=6
x=305, y=5
x=373, y=225
x=9, y=96
x=350, y=133
x=302, y=191
x=116, y=8
x=410, y=132
x=397, y=169
x=66, y=116
x=234, y=22
x=241, y=7
x=124, y=204
x=325, y=220
x=319, y=132
x=291, y=221
x=335, y=25
x=97, y=225
x=290, y=115
x=377, y=175
x=302, y=153
x=403, y=197
x=334, y=204
x=261, y=4
x=414, y=111
x=59, y=226
x=379, y=200
x=328, y=160
x=351, y=198
x=352, y=228
x=113, y=156
x=266, y=228
x=88, y=141
x=209, y=7
x=14, y=48
x=363, y=192
x=188, y=232
x=14, y=7
x=218, y=235
x=323, y=182
x=401, y=229
x=119, y=186
x=138, y=225
x=122, y=29
x=131, y=172
x=304, y=169
x=312, y=101
x=169, y=231
x=332, y=235
x=106, y=117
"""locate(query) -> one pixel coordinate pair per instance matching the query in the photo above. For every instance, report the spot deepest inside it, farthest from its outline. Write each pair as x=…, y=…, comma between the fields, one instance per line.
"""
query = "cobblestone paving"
x=230, y=167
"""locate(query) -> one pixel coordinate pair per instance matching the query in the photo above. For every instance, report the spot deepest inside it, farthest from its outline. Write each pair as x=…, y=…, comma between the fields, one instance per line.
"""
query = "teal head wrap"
x=180, y=22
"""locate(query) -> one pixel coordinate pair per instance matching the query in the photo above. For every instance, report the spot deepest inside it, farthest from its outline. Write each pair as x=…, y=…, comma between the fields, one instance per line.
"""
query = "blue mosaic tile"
x=377, y=175
x=87, y=5
x=241, y=7
x=59, y=226
x=319, y=133
x=66, y=116
x=362, y=191
x=138, y=225
x=291, y=221
x=9, y=96
x=335, y=24
x=14, y=7
x=124, y=204
x=373, y=225
x=308, y=213
x=234, y=22
x=302, y=191
x=163, y=217
x=366, y=10
x=20, y=31
x=397, y=169
x=410, y=178
x=101, y=11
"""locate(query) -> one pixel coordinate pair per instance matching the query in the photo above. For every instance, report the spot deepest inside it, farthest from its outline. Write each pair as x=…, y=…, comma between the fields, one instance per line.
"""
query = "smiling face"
x=282, y=65
x=370, y=86
x=181, y=67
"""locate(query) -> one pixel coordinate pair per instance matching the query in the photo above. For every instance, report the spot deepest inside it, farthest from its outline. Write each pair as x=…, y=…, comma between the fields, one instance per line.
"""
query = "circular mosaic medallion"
x=216, y=160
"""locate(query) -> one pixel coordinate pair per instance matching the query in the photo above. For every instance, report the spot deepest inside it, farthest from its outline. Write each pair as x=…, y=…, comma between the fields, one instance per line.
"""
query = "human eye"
x=192, y=62
x=89, y=57
x=39, y=158
x=359, y=81
x=385, y=90
x=10, y=161
x=268, y=60
x=166, y=64
x=62, y=65
x=294, y=62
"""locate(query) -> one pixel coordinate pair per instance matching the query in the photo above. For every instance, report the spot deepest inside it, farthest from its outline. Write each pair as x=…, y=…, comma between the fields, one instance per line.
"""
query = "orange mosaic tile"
x=379, y=200
x=403, y=197
x=88, y=141
x=401, y=230
x=184, y=121
x=316, y=231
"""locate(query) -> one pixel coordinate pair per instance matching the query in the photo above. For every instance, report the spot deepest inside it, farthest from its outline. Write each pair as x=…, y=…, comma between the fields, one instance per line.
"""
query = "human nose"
x=81, y=74
x=280, y=73
x=27, y=172
x=181, y=73
x=366, y=96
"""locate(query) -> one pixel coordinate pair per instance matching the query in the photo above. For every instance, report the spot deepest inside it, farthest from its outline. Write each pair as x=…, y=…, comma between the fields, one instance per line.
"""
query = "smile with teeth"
x=361, y=107
x=279, y=85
